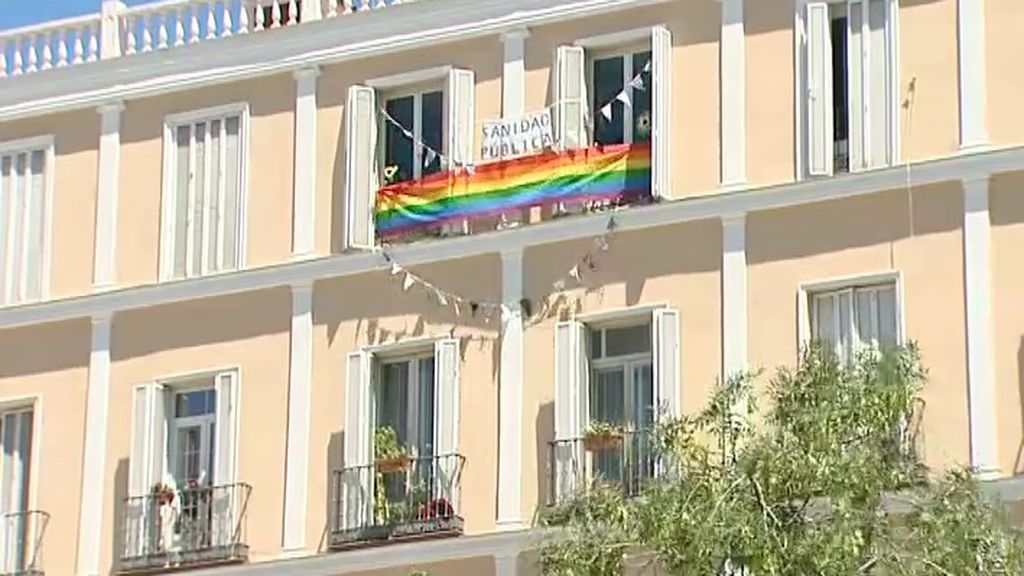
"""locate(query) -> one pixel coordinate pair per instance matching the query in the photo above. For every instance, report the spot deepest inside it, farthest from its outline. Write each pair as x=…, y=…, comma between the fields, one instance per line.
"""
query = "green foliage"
x=823, y=481
x=600, y=429
x=386, y=445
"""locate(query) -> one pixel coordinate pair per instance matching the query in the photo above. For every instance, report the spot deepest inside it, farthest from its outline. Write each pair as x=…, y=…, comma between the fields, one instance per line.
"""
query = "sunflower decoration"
x=390, y=174
x=643, y=126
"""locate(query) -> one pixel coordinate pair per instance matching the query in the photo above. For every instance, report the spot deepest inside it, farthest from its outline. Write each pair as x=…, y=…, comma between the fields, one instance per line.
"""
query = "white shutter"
x=361, y=178
x=819, y=90
x=667, y=373
x=357, y=479
x=570, y=405
x=140, y=526
x=160, y=414
x=226, y=498
x=878, y=88
x=461, y=116
x=570, y=97
x=446, y=418
x=859, y=85
x=661, y=108
x=17, y=433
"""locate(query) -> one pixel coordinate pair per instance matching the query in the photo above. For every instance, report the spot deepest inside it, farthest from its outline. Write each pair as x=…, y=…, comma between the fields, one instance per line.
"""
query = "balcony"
x=627, y=461
x=398, y=501
x=194, y=527
x=119, y=31
x=21, y=543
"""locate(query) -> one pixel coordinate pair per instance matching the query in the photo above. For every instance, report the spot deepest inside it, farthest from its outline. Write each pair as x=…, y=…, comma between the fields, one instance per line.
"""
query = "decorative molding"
x=732, y=92
x=734, y=295
x=94, y=457
x=304, y=166
x=965, y=166
x=300, y=383
x=107, y=193
x=971, y=51
x=510, y=392
x=978, y=308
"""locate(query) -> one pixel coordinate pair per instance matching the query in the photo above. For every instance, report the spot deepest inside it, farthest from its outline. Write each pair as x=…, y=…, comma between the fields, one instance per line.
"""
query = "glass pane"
x=398, y=148
x=34, y=225
x=211, y=450
x=887, y=322
x=199, y=183
x=5, y=220
x=188, y=457
x=181, y=200
x=845, y=325
x=642, y=98
x=840, y=96
x=232, y=183
x=631, y=340
x=867, y=331
x=195, y=403
x=608, y=83
x=608, y=395
x=393, y=399
x=213, y=195
x=596, y=350
x=18, y=209
x=432, y=122
x=425, y=411
x=643, y=396
x=825, y=320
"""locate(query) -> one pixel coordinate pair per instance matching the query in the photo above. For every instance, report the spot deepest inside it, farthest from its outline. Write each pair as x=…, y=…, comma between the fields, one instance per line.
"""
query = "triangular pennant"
x=623, y=97
x=647, y=67
x=575, y=273
x=395, y=268
x=409, y=282
x=441, y=298
x=428, y=156
x=637, y=83
x=606, y=111
x=559, y=286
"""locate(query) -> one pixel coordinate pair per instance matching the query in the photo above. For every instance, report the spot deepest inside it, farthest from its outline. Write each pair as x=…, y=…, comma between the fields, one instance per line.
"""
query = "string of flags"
x=429, y=154
x=488, y=310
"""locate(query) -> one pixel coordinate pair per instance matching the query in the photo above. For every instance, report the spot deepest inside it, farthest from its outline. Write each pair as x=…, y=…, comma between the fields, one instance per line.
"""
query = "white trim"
x=35, y=143
x=734, y=295
x=617, y=39
x=405, y=347
x=700, y=207
x=978, y=308
x=94, y=453
x=46, y=145
x=300, y=382
x=33, y=402
x=513, y=76
x=733, y=95
x=603, y=318
x=806, y=289
x=107, y=192
x=411, y=78
x=510, y=392
x=304, y=175
x=972, y=76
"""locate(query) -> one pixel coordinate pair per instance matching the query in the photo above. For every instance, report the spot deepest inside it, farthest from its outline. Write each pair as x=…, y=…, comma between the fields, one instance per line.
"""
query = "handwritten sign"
x=513, y=137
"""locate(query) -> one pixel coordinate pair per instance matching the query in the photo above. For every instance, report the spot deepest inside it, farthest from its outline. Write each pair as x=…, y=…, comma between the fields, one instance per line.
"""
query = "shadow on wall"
x=120, y=494
x=335, y=462
x=24, y=353
x=1018, y=463
x=545, y=430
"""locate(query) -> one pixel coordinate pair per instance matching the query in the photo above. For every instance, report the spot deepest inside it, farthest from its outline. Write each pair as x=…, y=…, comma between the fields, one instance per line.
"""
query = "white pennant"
x=409, y=282
x=429, y=156
x=647, y=67
x=559, y=286
x=441, y=298
x=575, y=273
x=637, y=83
x=623, y=97
x=606, y=111
x=395, y=269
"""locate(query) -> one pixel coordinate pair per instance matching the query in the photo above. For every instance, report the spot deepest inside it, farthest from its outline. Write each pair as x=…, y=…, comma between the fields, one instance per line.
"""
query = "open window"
x=20, y=527
x=848, y=85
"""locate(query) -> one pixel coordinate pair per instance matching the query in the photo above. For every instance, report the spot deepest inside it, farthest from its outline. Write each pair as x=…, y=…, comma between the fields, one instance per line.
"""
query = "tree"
x=824, y=481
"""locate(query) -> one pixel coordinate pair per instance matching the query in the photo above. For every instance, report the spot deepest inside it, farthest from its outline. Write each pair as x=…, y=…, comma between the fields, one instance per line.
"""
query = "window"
x=856, y=318
x=405, y=402
x=848, y=58
x=16, y=548
x=629, y=118
x=203, y=204
x=422, y=114
x=24, y=203
x=191, y=448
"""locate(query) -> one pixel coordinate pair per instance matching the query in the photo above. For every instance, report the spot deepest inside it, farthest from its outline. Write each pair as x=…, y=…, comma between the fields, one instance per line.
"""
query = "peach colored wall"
x=373, y=309
x=1004, y=53
x=482, y=56
x=76, y=141
x=771, y=107
x=269, y=194
x=51, y=362
x=919, y=236
x=247, y=331
x=928, y=59
x=1007, y=215
x=481, y=566
x=695, y=30
x=676, y=265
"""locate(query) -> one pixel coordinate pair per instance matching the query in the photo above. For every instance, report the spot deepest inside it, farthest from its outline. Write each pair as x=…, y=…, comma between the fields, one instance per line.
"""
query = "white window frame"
x=416, y=91
x=171, y=123
x=175, y=423
x=624, y=53
x=628, y=363
x=893, y=139
x=807, y=292
x=35, y=404
x=412, y=359
x=46, y=143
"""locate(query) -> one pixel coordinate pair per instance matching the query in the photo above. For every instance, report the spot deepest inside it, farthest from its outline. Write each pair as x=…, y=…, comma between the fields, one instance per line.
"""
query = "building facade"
x=205, y=342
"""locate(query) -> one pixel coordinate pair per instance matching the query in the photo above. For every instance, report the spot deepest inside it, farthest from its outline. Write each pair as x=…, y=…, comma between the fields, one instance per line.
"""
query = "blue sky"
x=15, y=13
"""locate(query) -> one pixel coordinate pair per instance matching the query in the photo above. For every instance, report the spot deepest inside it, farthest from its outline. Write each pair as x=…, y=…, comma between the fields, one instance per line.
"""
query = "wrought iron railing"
x=627, y=460
x=397, y=500
x=196, y=526
x=21, y=542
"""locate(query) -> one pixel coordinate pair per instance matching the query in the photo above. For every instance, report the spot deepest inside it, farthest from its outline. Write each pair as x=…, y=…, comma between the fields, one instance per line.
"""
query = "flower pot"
x=391, y=465
x=602, y=442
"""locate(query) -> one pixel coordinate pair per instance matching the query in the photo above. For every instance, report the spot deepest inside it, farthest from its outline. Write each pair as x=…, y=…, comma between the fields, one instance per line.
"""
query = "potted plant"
x=389, y=455
x=163, y=494
x=602, y=436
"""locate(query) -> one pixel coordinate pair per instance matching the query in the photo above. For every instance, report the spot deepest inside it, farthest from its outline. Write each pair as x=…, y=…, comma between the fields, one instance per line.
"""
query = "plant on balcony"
x=602, y=436
x=163, y=494
x=388, y=453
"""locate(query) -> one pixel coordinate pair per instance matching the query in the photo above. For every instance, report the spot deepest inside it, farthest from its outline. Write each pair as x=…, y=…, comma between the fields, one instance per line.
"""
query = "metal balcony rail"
x=397, y=500
x=576, y=465
x=195, y=526
x=21, y=542
x=121, y=31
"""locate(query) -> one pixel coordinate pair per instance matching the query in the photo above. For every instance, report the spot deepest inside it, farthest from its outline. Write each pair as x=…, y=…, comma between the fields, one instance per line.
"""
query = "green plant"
x=386, y=445
x=600, y=429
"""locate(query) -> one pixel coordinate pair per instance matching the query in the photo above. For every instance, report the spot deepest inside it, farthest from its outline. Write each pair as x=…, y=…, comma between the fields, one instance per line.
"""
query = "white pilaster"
x=513, y=76
x=107, y=191
x=300, y=381
x=971, y=38
x=734, y=295
x=733, y=95
x=978, y=304
x=94, y=459
x=304, y=181
x=510, y=394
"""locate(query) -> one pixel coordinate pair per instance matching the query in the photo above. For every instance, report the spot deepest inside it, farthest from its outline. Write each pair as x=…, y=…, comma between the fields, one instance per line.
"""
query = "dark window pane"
x=642, y=98
x=432, y=121
x=398, y=148
x=631, y=340
x=840, y=94
x=607, y=85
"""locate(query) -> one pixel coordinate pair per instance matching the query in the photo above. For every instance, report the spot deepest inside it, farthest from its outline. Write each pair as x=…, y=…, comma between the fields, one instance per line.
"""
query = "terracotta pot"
x=602, y=442
x=390, y=465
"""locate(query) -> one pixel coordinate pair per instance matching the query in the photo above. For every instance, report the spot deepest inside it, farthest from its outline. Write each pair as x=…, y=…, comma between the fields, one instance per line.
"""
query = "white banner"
x=529, y=134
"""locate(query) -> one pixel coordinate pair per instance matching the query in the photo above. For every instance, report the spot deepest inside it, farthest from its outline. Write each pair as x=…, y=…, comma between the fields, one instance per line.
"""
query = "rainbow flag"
x=612, y=173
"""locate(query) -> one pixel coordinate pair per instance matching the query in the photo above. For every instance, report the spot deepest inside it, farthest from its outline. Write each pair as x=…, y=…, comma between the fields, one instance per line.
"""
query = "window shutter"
x=17, y=432
x=226, y=465
x=357, y=480
x=878, y=88
x=361, y=169
x=570, y=97
x=570, y=405
x=661, y=112
x=138, y=529
x=819, y=90
x=461, y=116
x=160, y=413
x=858, y=85
x=446, y=417
x=667, y=371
